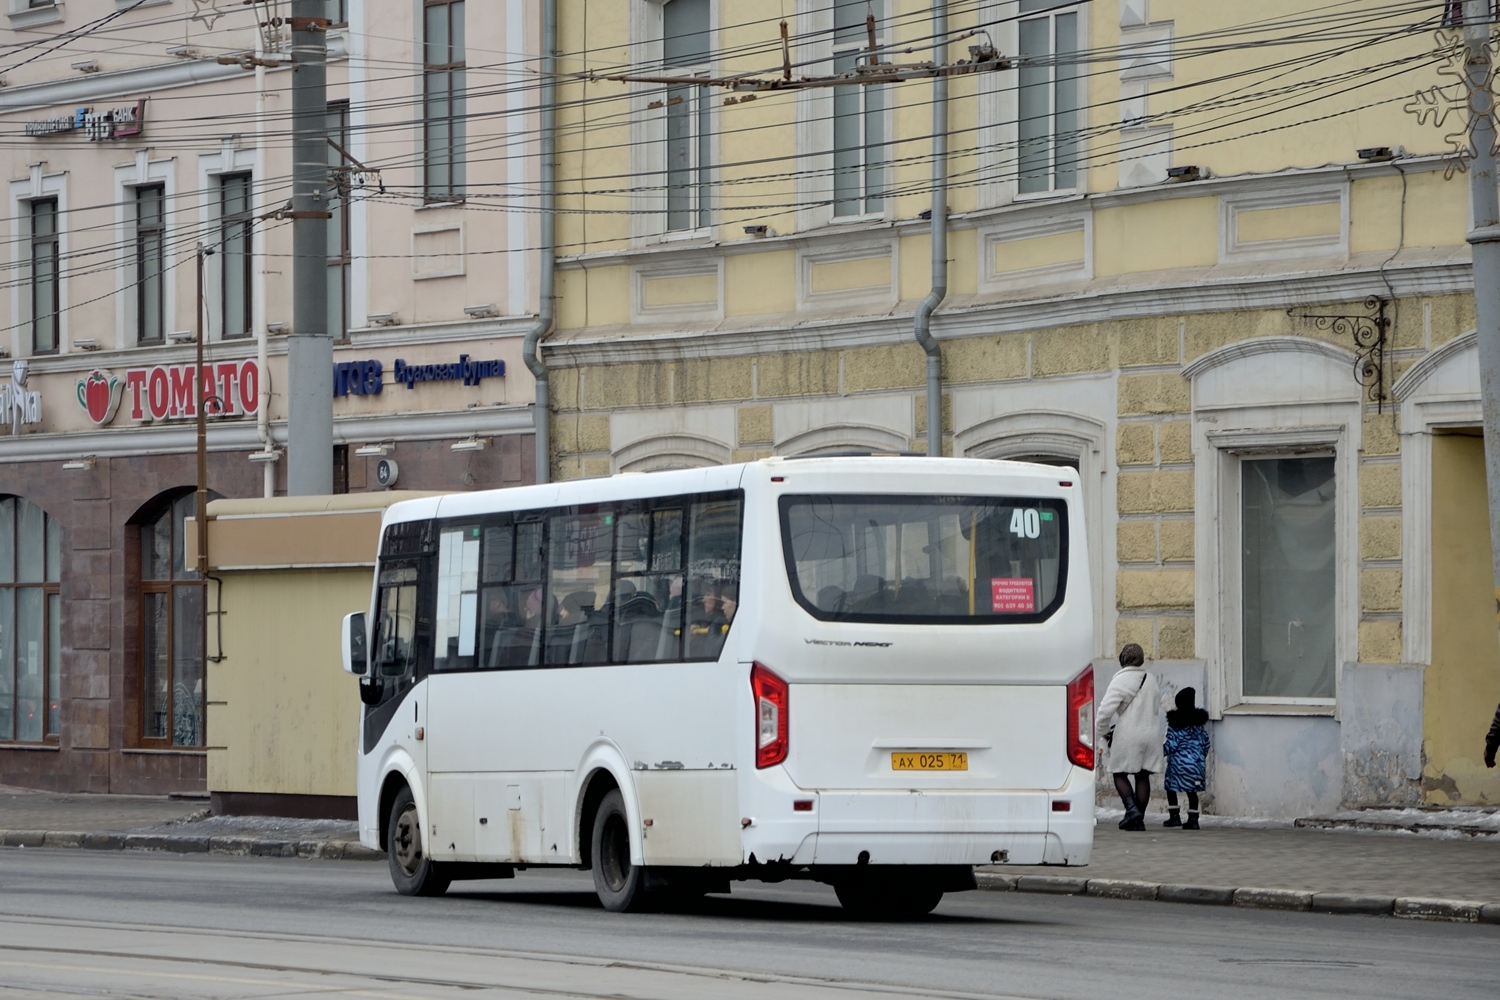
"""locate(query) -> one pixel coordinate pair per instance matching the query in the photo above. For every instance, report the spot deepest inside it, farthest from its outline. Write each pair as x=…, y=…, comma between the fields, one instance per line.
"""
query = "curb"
x=1376, y=826
x=177, y=843
x=1249, y=897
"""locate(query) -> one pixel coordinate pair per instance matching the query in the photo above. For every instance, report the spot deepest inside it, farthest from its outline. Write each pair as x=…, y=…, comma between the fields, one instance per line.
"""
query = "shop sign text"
x=97, y=126
x=18, y=405
x=230, y=389
x=367, y=378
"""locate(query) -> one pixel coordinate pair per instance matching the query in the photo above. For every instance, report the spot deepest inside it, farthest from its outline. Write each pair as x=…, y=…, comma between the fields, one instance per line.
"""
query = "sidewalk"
x=1356, y=871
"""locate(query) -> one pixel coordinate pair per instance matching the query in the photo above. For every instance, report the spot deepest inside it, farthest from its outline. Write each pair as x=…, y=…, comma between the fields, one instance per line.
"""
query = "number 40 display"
x=1025, y=523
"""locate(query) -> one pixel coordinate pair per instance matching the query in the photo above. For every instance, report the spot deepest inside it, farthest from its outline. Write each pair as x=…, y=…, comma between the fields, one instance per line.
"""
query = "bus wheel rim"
x=616, y=855
x=408, y=841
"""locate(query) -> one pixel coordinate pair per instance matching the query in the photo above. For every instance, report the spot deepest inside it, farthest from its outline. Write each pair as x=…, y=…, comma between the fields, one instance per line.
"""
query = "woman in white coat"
x=1132, y=705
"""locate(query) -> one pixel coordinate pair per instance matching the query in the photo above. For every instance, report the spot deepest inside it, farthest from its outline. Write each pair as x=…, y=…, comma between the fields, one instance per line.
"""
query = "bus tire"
x=870, y=899
x=621, y=885
x=413, y=872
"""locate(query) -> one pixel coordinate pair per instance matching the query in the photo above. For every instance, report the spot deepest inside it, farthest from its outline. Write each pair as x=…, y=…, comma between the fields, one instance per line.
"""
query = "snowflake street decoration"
x=208, y=12
x=1440, y=102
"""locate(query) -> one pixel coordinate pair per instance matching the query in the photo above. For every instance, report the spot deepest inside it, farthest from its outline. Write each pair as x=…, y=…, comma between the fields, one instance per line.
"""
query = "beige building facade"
x=1169, y=265
x=139, y=133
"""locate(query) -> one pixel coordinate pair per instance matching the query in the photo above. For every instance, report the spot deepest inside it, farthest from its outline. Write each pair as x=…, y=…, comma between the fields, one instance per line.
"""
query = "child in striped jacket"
x=1186, y=750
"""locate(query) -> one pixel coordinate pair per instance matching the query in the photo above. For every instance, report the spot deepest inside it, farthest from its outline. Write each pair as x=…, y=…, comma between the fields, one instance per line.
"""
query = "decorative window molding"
x=128, y=176
x=211, y=168
x=844, y=437
x=671, y=451
x=37, y=185
x=437, y=252
x=1010, y=235
x=24, y=15
x=1273, y=397
x=871, y=296
x=648, y=126
x=1236, y=244
x=648, y=304
x=1439, y=392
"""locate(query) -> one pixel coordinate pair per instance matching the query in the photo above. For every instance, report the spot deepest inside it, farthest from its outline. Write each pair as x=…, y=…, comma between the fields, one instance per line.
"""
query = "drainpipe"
x=542, y=410
x=923, y=324
x=258, y=290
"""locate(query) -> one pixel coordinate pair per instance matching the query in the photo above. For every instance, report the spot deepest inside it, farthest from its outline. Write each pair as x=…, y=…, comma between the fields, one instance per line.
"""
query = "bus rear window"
x=926, y=559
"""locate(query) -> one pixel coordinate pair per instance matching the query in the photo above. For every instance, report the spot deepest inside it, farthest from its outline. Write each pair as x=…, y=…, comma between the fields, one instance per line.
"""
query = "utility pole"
x=201, y=514
x=1484, y=238
x=309, y=348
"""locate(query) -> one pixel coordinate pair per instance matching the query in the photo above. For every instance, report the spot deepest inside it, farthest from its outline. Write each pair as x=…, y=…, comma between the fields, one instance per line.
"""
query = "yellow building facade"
x=1176, y=234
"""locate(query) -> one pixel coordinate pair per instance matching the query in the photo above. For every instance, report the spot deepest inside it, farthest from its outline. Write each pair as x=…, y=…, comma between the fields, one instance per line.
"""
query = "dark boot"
x=1133, y=814
x=1192, y=822
x=1174, y=816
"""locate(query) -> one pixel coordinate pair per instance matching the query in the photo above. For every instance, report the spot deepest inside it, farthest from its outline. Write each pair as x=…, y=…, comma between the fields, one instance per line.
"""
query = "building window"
x=30, y=623
x=689, y=159
x=150, y=262
x=1288, y=575
x=1048, y=94
x=338, y=11
x=859, y=151
x=172, y=604
x=340, y=256
x=235, y=220
x=44, y=276
x=444, y=104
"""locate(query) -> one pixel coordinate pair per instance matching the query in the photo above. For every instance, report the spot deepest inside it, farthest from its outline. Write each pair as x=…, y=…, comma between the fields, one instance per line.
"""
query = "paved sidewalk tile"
x=1350, y=864
x=24, y=810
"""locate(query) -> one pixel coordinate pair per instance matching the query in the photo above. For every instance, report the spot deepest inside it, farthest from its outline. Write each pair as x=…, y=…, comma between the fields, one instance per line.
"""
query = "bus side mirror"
x=356, y=645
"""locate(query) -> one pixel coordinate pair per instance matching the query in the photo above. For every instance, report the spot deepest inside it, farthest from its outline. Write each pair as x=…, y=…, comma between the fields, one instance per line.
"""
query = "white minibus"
x=872, y=672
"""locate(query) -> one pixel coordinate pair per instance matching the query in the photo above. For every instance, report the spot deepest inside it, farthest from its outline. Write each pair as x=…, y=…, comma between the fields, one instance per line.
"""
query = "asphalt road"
x=81, y=923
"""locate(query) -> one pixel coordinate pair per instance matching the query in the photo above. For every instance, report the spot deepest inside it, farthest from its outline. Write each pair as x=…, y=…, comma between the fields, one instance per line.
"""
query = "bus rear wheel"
x=621, y=885
x=896, y=899
x=413, y=872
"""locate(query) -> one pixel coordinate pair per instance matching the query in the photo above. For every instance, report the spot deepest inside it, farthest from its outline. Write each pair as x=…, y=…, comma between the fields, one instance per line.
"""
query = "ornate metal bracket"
x=1369, y=332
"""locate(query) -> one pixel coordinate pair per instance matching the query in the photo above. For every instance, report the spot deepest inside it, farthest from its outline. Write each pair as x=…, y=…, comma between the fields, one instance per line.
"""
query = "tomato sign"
x=164, y=392
x=99, y=395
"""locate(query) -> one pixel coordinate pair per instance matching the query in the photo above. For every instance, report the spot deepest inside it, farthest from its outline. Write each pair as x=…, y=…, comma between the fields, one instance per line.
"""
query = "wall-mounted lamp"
x=79, y=464
x=276, y=328
x=1184, y=174
x=4, y=352
x=470, y=444
x=182, y=336
x=481, y=312
x=382, y=319
x=86, y=65
x=1380, y=154
x=272, y=455
x=86, y=344
x=757, y=230
x=373, y=450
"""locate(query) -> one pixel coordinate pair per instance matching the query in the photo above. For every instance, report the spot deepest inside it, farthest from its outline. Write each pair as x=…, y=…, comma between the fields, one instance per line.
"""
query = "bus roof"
x=633, y=486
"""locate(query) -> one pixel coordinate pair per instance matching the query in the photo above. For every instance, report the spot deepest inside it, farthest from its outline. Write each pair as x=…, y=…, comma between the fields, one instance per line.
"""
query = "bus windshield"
x=926, y=559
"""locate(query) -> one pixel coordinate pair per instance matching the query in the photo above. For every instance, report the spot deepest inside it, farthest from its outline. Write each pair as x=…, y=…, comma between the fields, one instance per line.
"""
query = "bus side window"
x=578, y=583
x=457, y=616
x=713, y=568
x=647, y=598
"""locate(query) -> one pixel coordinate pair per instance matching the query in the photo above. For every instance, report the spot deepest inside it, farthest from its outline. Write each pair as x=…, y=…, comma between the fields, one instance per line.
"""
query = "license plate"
x=942, y=760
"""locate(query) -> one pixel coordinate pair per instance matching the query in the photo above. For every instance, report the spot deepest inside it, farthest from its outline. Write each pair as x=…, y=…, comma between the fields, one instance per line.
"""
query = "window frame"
x=700, y=118
x=50, y=589
x=1053, y=189
x=857, y=49
x=168, y=587
x=455, y=161
x=143, y=233
x=50, y=245
x=242, y=221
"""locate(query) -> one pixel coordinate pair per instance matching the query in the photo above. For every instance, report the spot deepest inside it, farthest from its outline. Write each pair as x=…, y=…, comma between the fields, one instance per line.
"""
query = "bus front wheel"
x=619, y=883
x=414, y=873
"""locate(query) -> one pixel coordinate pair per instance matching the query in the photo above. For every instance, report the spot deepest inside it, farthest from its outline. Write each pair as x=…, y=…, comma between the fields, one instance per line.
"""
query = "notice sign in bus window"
x=1013, y=594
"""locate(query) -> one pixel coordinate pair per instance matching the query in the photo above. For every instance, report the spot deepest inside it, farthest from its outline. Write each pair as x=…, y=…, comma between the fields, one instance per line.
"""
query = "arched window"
x=172, y=604
x=30, y=624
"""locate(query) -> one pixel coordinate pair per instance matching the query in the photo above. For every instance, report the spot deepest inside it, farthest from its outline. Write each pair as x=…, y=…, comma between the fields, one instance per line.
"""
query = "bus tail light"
x=1081, y=719
x=771, y=696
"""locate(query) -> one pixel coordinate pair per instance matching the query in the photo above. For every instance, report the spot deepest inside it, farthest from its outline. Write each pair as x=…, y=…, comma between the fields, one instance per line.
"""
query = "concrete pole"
x=922, y=323
x=1484, y=202
x=309, y=348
